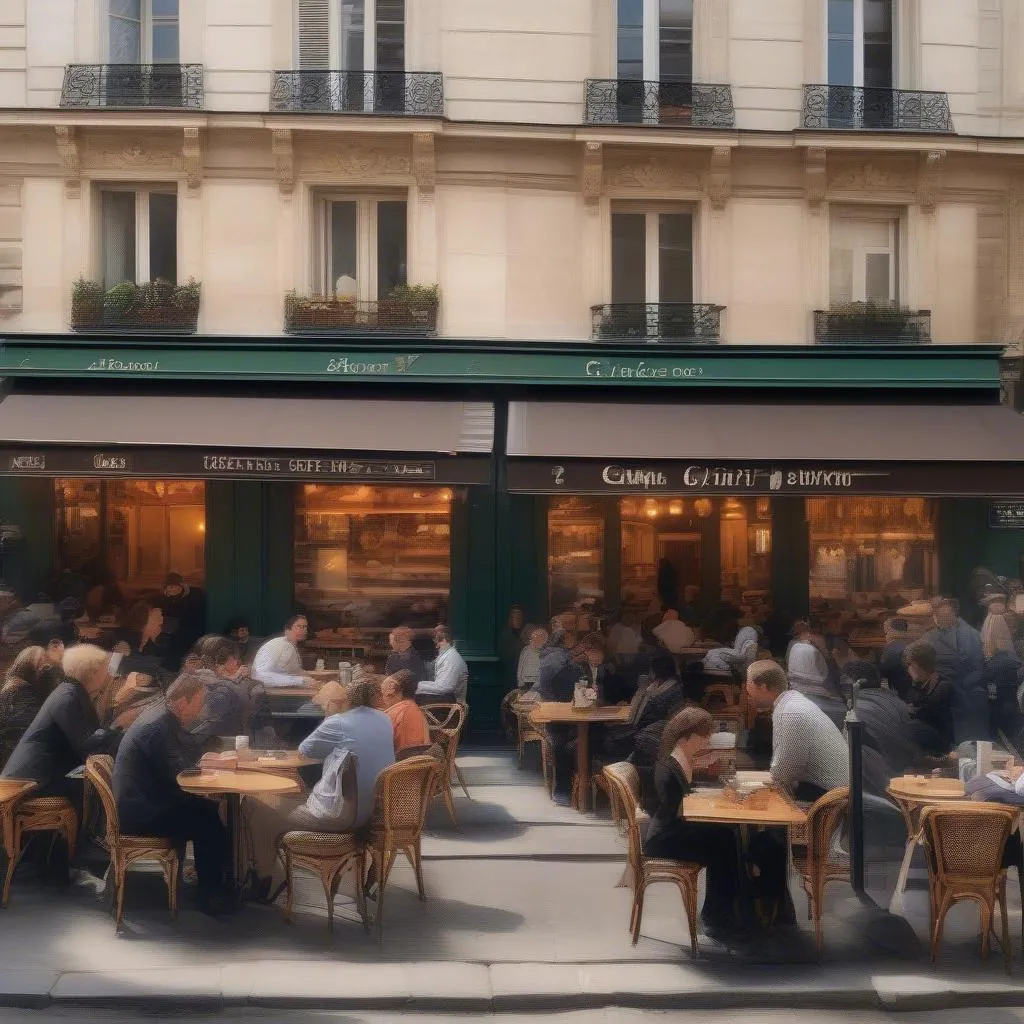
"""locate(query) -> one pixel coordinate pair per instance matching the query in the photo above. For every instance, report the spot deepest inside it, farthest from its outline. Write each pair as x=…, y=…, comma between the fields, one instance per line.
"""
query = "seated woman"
x=29, y=682
x=670, y=836
x=142, y=641
x=735, y=659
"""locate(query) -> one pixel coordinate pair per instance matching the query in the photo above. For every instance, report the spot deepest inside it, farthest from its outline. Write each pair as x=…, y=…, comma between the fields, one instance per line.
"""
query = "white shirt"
x=806, y=745
x=451, y=676
x=674, y=634
x=277, y=663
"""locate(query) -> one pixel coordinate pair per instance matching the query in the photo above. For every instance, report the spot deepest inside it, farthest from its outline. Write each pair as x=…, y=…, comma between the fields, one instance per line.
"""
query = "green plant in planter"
x=86, y=303
x=410, y=305
x=119, y=302
x=184, y=302
x=870, y=320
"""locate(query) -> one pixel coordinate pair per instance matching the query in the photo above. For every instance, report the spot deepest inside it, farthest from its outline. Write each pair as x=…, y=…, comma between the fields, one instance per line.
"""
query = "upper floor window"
x=351, y=35
x=655, y=40
x=860, y=43
x=864, y=257
x=143, y=32
x=652, y=255
x=362, y=246
x=138, y=236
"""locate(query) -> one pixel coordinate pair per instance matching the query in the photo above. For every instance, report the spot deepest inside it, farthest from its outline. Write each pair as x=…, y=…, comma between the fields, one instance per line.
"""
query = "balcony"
x=671, y=322
x=133, y=86
x=409, y=311
x=868, y=324
x=672, y=102
x=413, y=93
x=852, y=108
x=156, y=307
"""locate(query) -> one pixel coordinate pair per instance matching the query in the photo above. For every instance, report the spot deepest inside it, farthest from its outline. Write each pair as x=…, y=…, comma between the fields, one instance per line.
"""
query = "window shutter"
x=314, y=34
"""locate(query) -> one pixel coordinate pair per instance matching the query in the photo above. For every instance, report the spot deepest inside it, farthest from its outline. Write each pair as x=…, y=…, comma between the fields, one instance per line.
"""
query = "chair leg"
x=450, y=803
x=689, y=896
x=13, y=856
x=358, y=869
x=1004, y=915
x=638, y=907
x=119, y=877
x=389, y=862
x=462, y=781
x=546, y=768
x=174, y=866
x=329, y=889
x=289, y=882
x=415, y=855
x=986, y=925
x=940, y=918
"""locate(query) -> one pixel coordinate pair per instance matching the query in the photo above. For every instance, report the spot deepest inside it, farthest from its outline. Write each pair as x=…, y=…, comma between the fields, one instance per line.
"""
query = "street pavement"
x=522, y=915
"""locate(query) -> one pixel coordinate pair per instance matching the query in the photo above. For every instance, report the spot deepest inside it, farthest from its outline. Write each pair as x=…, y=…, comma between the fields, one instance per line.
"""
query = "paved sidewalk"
x=522, y=914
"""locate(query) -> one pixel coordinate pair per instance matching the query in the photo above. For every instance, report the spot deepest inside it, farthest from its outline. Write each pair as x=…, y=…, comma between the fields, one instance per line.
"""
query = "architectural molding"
x=192, y=157
x=70, y=160
x=424, y=162
x=718, y=184
x=284, y=159
x=815, y=175
x=929, y=178
x=354, y=162
x=593, y=171
x=656, y=172
x=878, y=174
x=149, y=153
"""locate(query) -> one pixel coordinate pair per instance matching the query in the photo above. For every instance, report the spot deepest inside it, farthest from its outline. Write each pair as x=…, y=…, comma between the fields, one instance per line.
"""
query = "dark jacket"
x=155, y=749
x=19, y=704
x=888, y=729
x=184, y=622
x=64, y=733
x=667, y=831
x=409, y=659
x=225, y=709
x=933, y=707
x=558, y=675
x=892, y=668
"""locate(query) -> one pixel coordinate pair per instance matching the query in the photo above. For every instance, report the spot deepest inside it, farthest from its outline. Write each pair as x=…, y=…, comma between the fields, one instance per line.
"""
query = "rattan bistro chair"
x=328, y=855
x=965, y=843
x=127, y=850
x=446, y=722
x=646, y=870
x=815, y=868
x=30, y=813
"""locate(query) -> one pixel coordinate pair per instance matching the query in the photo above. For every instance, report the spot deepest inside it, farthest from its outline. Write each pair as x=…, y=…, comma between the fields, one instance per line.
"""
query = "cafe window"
x=370, y=558
x=575, y=554
x=133, y=532
x=138, y=236
x=362, y=246
x=879, y=552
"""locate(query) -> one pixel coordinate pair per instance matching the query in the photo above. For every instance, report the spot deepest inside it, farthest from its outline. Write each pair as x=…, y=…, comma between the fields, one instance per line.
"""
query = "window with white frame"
x=361, y=246
x=860, y=43
x=143, y=32
x=864, y=255
x=652, y=254
x=138, y=235
x=351, y=35
x=654, y=40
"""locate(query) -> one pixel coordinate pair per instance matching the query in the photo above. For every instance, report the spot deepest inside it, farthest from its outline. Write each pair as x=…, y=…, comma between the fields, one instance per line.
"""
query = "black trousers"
x=197, y=820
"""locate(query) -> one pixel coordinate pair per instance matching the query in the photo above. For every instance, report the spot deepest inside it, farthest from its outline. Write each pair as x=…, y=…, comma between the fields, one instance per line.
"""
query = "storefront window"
x=575, y=554
x=875, y=551
x=371, y=558
x=129, y=532
x=746, y=531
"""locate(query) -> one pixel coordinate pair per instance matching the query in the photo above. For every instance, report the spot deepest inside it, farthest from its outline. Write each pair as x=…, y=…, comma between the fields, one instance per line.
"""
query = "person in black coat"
x=891, y=663
x=932, y=701
x=184, y=608
x=403, y=655
x=66, y=730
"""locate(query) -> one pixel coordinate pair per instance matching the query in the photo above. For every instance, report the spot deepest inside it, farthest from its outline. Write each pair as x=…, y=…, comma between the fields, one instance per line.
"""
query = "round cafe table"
x=233, y=785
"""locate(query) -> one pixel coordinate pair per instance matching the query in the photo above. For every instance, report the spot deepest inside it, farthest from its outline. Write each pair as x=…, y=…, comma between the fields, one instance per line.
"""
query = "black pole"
x=855, y=736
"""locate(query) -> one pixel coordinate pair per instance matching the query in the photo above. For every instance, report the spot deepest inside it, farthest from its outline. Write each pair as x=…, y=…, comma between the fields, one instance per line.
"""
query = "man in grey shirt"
x=809, y=754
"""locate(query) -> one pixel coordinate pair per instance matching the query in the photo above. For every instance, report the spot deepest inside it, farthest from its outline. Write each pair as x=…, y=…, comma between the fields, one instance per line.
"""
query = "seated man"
x=356, y=743
x=451, y=676
x=226, y=711
x=672, y=634
x=403, y=654
x=398, y=693
x=277, y=662
x=156, y=748
x=932, y=700
x=809, y=755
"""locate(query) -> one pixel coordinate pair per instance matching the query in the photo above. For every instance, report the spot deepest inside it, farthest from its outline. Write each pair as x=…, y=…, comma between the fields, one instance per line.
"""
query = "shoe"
x=562, y=800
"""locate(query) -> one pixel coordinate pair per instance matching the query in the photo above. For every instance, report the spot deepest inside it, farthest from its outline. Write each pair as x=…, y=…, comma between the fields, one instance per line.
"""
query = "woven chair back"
x=99, y=773
x=624, y=782
x=823, y=821
x=403, y=793
x=967, y=840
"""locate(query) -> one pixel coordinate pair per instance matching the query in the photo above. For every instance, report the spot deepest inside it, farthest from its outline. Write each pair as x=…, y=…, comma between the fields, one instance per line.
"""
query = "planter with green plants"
x=304, y=313
x=872, y=322
x=409, y=308
x=152, y=307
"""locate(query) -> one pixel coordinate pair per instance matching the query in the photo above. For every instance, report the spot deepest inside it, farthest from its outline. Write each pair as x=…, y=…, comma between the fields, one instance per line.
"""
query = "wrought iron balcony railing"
x=416, y=93
x=318, y=314
x=873, y=325
x=847, y=107
x=669, y=102
x=131, y=86
x=697, y=323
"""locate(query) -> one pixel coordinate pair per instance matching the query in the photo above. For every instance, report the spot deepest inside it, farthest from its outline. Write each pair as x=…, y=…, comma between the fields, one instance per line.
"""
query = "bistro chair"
x=965, y=844
x=647, y=870
x=127, y=850
x=815, y=867
x=328, y=855
x=527, y=732
x=24, y=787
x=446, y=722
x=36, y=814
x=403, y=793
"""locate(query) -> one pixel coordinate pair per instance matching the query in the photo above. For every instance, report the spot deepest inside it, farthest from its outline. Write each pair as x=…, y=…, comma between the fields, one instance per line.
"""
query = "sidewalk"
x=522, y=913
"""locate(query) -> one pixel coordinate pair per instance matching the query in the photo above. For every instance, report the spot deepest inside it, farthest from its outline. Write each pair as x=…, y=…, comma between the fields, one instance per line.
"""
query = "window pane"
x=877, y=270
x=840, y=18
x=390, y=35
x=126, y=9
x=165, y=8
x=163, y=237
x=391, y=243
x=575, y=553
x=676, y=41
x=840, y=42
x=343, y=218
x=878, y=55
x=118, y=237
x=675, y=256
x=630, y=39
x=368, y=559
x=165, y=43
x=125, y=41
x=628, y=258
x=840, y=272
x=352, y=29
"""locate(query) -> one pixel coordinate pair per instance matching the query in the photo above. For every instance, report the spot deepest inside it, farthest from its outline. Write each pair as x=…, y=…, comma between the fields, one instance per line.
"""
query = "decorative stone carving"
x=139, y=154
x=284, y=159
x=424, y=162
x=192, y=157
x=719, y=180
x=882, y=175
x=929, y=178
x=656, y=172
x=358, y=162
x=815, y=175
x=593, y=171
x=70, y=160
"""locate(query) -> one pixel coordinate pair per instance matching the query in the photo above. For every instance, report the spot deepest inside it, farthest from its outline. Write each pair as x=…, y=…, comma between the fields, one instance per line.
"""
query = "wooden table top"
x=10, y=788
x=556, y=711
x=716, y=808
x=263, y=762
x=924, y=789
x=327, y=675
x=245, y=783
x=309, y=692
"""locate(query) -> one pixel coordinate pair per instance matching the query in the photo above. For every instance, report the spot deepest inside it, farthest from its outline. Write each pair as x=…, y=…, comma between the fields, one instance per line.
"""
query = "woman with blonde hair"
x=28, y=683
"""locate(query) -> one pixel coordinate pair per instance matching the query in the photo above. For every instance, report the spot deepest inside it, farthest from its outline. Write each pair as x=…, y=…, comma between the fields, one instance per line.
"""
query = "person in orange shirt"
x=397, y=699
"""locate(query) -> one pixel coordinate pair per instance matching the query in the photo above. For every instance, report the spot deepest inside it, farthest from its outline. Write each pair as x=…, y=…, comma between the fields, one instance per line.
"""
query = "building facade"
x=445, y=223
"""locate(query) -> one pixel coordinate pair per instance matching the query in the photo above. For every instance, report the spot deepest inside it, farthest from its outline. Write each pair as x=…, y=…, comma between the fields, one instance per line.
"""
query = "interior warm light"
x=703, y=507
x=733, y=509
x=651, y=508
x=675, y=508
x=201, y=527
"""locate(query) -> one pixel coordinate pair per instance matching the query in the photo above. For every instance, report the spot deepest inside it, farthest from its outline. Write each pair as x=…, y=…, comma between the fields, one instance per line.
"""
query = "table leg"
x=234, y=803
x=582, y=766
x=896, y=903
